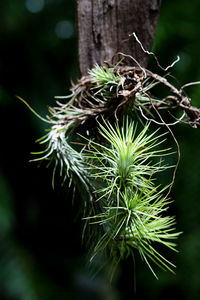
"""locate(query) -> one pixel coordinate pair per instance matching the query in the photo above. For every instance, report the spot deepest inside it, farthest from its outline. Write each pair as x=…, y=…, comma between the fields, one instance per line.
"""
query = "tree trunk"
x=104, y=27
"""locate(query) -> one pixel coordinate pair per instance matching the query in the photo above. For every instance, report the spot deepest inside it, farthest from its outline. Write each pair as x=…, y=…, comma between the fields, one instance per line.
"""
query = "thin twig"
x=131, y=57
x=155, y=57
x=178, y=149
x=161, y=123
x=189, y=84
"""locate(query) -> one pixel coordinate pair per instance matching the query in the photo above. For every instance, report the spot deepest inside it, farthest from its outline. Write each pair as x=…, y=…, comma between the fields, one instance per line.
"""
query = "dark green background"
x=41, y=255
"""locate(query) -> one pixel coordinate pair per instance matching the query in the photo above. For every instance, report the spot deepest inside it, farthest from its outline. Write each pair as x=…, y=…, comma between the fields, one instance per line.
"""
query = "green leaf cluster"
x=106, y=81
x=133, y=207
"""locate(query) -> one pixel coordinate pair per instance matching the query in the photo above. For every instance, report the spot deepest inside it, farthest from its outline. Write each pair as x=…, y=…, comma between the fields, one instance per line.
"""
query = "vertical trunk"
x=104, y=25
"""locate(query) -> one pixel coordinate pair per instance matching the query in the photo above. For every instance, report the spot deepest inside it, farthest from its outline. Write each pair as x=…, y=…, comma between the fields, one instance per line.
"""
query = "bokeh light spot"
x=34, y=6
x=64, y=29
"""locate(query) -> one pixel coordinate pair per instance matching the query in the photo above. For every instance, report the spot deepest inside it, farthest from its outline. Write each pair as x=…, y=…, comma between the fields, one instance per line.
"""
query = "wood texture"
x=103, y=25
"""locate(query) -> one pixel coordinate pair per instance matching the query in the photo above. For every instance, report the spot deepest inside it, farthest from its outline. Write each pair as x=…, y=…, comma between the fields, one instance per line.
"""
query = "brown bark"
x=103, y=25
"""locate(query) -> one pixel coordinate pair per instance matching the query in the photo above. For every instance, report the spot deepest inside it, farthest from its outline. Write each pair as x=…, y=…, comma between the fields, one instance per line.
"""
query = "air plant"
x=133, y=206
x=128, y=156
x=106, y=80
x=114, y=168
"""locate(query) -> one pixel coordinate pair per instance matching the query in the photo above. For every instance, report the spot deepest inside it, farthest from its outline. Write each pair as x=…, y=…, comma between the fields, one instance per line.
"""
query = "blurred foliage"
x=41, y=254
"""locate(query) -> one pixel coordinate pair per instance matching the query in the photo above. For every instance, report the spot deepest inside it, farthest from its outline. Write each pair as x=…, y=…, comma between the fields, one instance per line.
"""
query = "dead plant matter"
x=110, y=91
